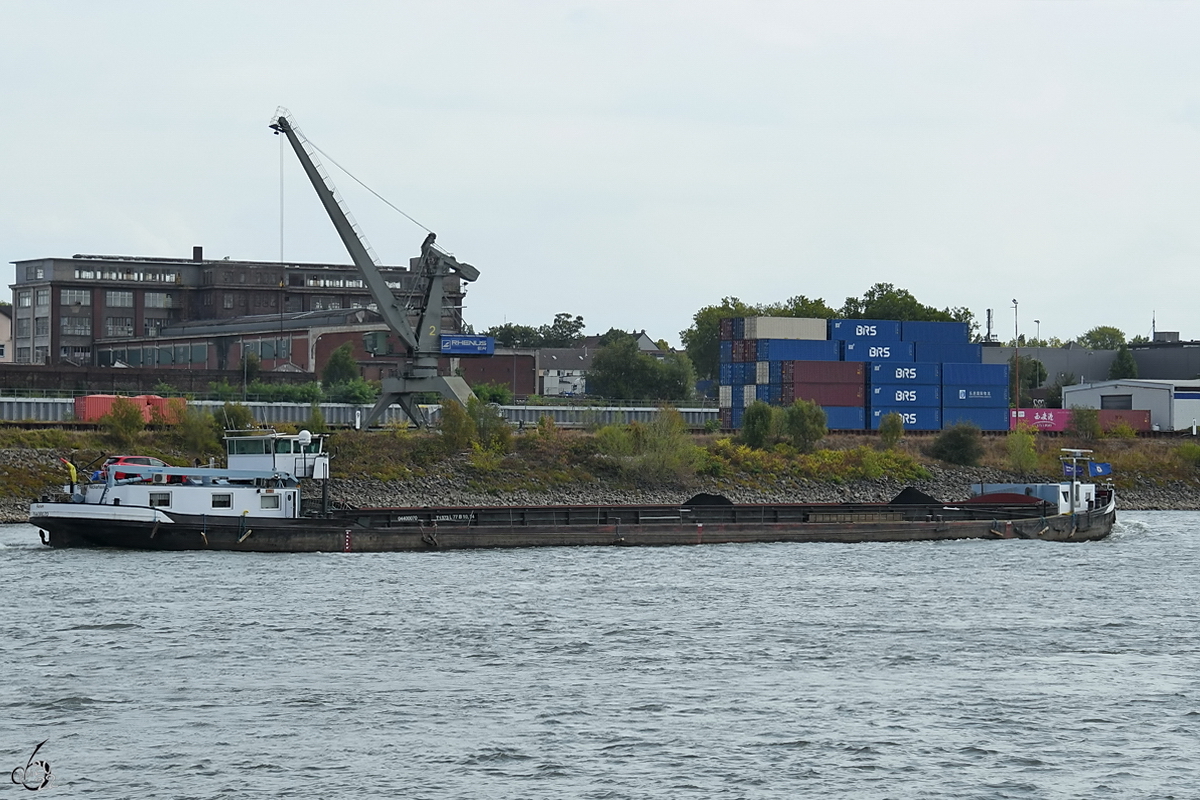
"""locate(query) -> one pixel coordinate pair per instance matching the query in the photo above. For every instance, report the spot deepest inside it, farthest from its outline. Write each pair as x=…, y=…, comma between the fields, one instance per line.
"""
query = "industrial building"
x=68, y=310
x=1173, y=405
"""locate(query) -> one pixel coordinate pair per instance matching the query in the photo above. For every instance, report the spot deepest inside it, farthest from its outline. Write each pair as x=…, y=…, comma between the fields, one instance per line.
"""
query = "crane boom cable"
x=354, y=178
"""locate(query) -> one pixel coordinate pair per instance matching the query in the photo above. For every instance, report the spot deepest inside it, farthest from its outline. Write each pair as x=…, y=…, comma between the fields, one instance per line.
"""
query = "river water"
x=1009, y=669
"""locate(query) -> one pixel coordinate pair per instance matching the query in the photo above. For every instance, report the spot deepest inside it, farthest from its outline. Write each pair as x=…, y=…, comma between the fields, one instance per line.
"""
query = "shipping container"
x=725, y=396
x=974, y=374
x=787, y=394
x=829, y=394
x=165, y=410
x=915, y=419
x=985, y=396
x=798, y=350
x=762, y=372
x=786, y=328
x=859, y=350
x=739, y=328
x=1057, y=419
x=726, y=415
x=917, y=395
x=776, y=370
x=879, y=330
x=829, y=372
x=986, y=419
x=942, y=352
x=845, y=418
x=886, y=374
x=763, y=392
x=725, y=376
x=948, y=332
x=725, y=330
x=745, y=372
x=749, y=394
x=735, y=417
x=726, y=351
x=775, y=396
x=735, y=396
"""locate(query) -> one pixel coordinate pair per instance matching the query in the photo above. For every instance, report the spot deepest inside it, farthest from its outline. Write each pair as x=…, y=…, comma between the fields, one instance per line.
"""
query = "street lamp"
x=1016, y=354
x=1037, y=373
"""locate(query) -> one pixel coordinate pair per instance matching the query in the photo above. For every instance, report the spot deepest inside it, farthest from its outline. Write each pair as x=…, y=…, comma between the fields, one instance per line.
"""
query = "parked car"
x=138, y=461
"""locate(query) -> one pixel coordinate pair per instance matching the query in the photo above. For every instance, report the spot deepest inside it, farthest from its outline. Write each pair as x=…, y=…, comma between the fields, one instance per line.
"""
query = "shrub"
x=666, y=451
x=614, y=440
x=804, y=422
x=493, y=393
x=1022, y=450
x=491, y=428
x=756, y=424
x=1189, y=454
x=195, y=431
x=959, y=444
x=1084, y=423
x=1121, y=430
x=232, y=417
x=356, y=391
x=458, y=429
x=891, y=430
x=316, y=420
x=123, y=422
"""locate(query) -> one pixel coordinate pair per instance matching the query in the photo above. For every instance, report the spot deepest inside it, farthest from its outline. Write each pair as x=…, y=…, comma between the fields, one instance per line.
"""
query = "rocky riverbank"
x=27, y=474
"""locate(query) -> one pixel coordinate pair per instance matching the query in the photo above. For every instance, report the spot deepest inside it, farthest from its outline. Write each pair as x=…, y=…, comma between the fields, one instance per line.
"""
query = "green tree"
x=196, y=432
x=491, y=429
x=757, y=422
x=512, y=335
x=1022, y=450
x=493, y=393
x=457, y=427
x=1054, y=391
x=123, y=422
x=1103, y=337
x=1084, y=423
x=804, y=422
x=1123, y=365
x=959, y=444
x=891, y=430
x=356, y=390
x=341, y=366
x=885, y=301
x=1031, y=375
x=620, y=371
x=565, y=331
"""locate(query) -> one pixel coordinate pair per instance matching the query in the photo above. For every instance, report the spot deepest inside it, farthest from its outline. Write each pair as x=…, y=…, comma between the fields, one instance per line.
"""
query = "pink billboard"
x=1044, y=419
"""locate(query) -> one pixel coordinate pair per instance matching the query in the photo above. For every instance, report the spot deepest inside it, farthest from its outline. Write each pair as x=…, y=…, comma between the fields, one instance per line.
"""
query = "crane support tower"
x=420, y=375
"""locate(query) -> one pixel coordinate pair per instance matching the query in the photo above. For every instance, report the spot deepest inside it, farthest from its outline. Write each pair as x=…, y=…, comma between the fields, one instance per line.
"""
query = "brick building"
x=67, y=309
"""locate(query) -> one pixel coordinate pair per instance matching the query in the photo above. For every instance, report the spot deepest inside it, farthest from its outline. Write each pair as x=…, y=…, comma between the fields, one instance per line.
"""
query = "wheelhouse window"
x=270, y=500
x=160, y=499
x=222, y=501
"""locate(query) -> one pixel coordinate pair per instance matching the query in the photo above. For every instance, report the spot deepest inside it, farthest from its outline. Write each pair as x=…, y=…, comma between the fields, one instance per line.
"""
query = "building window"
x=24, y=299
x=22, y=355
x=160, y=499
x=35, y=274
x=118, y=326
x=3, y=350
x=270, y=500
x=22, y=327
x=78, y=355
x=41, y=355
x=76, y=326
x=222, y=501
x=118, y=299
x=157, y=300
x=227, y=301
x=73, y=297
x=85, y=275
x=41, y=326
x=43, y=297
x=152, y=326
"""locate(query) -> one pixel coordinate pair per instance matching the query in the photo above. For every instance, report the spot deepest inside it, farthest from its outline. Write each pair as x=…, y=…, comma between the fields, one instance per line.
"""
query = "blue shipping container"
x=763, y=392
x=735, y=395
x=726, y=375
x=915, y=419
x=949, y=332
x=881, y=351
x=885, y=373
x=799, y=350
x=736, y=416
x=726, y=351
x=845, y=418
x=739, y=328
x=776, y=370
x=994, y=396
x=916, y=395
x=880, y=330
x=776, y=394
x=942, y=352
x=464, y=344
x=987, y=419
x=974, y=374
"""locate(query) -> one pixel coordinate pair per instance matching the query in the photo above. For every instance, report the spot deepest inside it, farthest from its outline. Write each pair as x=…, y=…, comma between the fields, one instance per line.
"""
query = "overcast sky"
x=632, y=162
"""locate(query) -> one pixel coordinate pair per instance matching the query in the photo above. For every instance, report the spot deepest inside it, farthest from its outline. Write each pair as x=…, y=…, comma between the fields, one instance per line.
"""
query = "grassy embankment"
x=644, y=456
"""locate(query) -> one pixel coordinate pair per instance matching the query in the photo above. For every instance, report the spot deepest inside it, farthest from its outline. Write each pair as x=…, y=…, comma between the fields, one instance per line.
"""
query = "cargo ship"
x=254, y=505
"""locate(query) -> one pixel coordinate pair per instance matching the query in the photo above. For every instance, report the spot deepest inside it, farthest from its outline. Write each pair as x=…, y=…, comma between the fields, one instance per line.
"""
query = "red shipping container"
x=165, y=410
x=787, y=394
x=1111, y=417
x=1057, y=419
x=829, y=372
x=726, y=331
x=829, y=394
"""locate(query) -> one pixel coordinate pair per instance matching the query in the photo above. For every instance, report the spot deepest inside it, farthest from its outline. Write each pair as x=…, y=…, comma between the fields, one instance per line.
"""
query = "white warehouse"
x=1173, y=405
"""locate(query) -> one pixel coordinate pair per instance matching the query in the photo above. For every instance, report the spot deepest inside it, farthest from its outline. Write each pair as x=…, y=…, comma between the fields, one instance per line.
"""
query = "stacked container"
x=975, y=393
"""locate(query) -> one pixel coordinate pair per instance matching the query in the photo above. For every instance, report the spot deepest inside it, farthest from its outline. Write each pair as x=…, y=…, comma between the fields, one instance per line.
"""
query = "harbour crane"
x=420, y=374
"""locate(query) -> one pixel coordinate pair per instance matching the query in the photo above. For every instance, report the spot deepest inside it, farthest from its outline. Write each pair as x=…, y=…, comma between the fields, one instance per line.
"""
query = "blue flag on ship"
x=1098, y=468
x=1073, y=470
